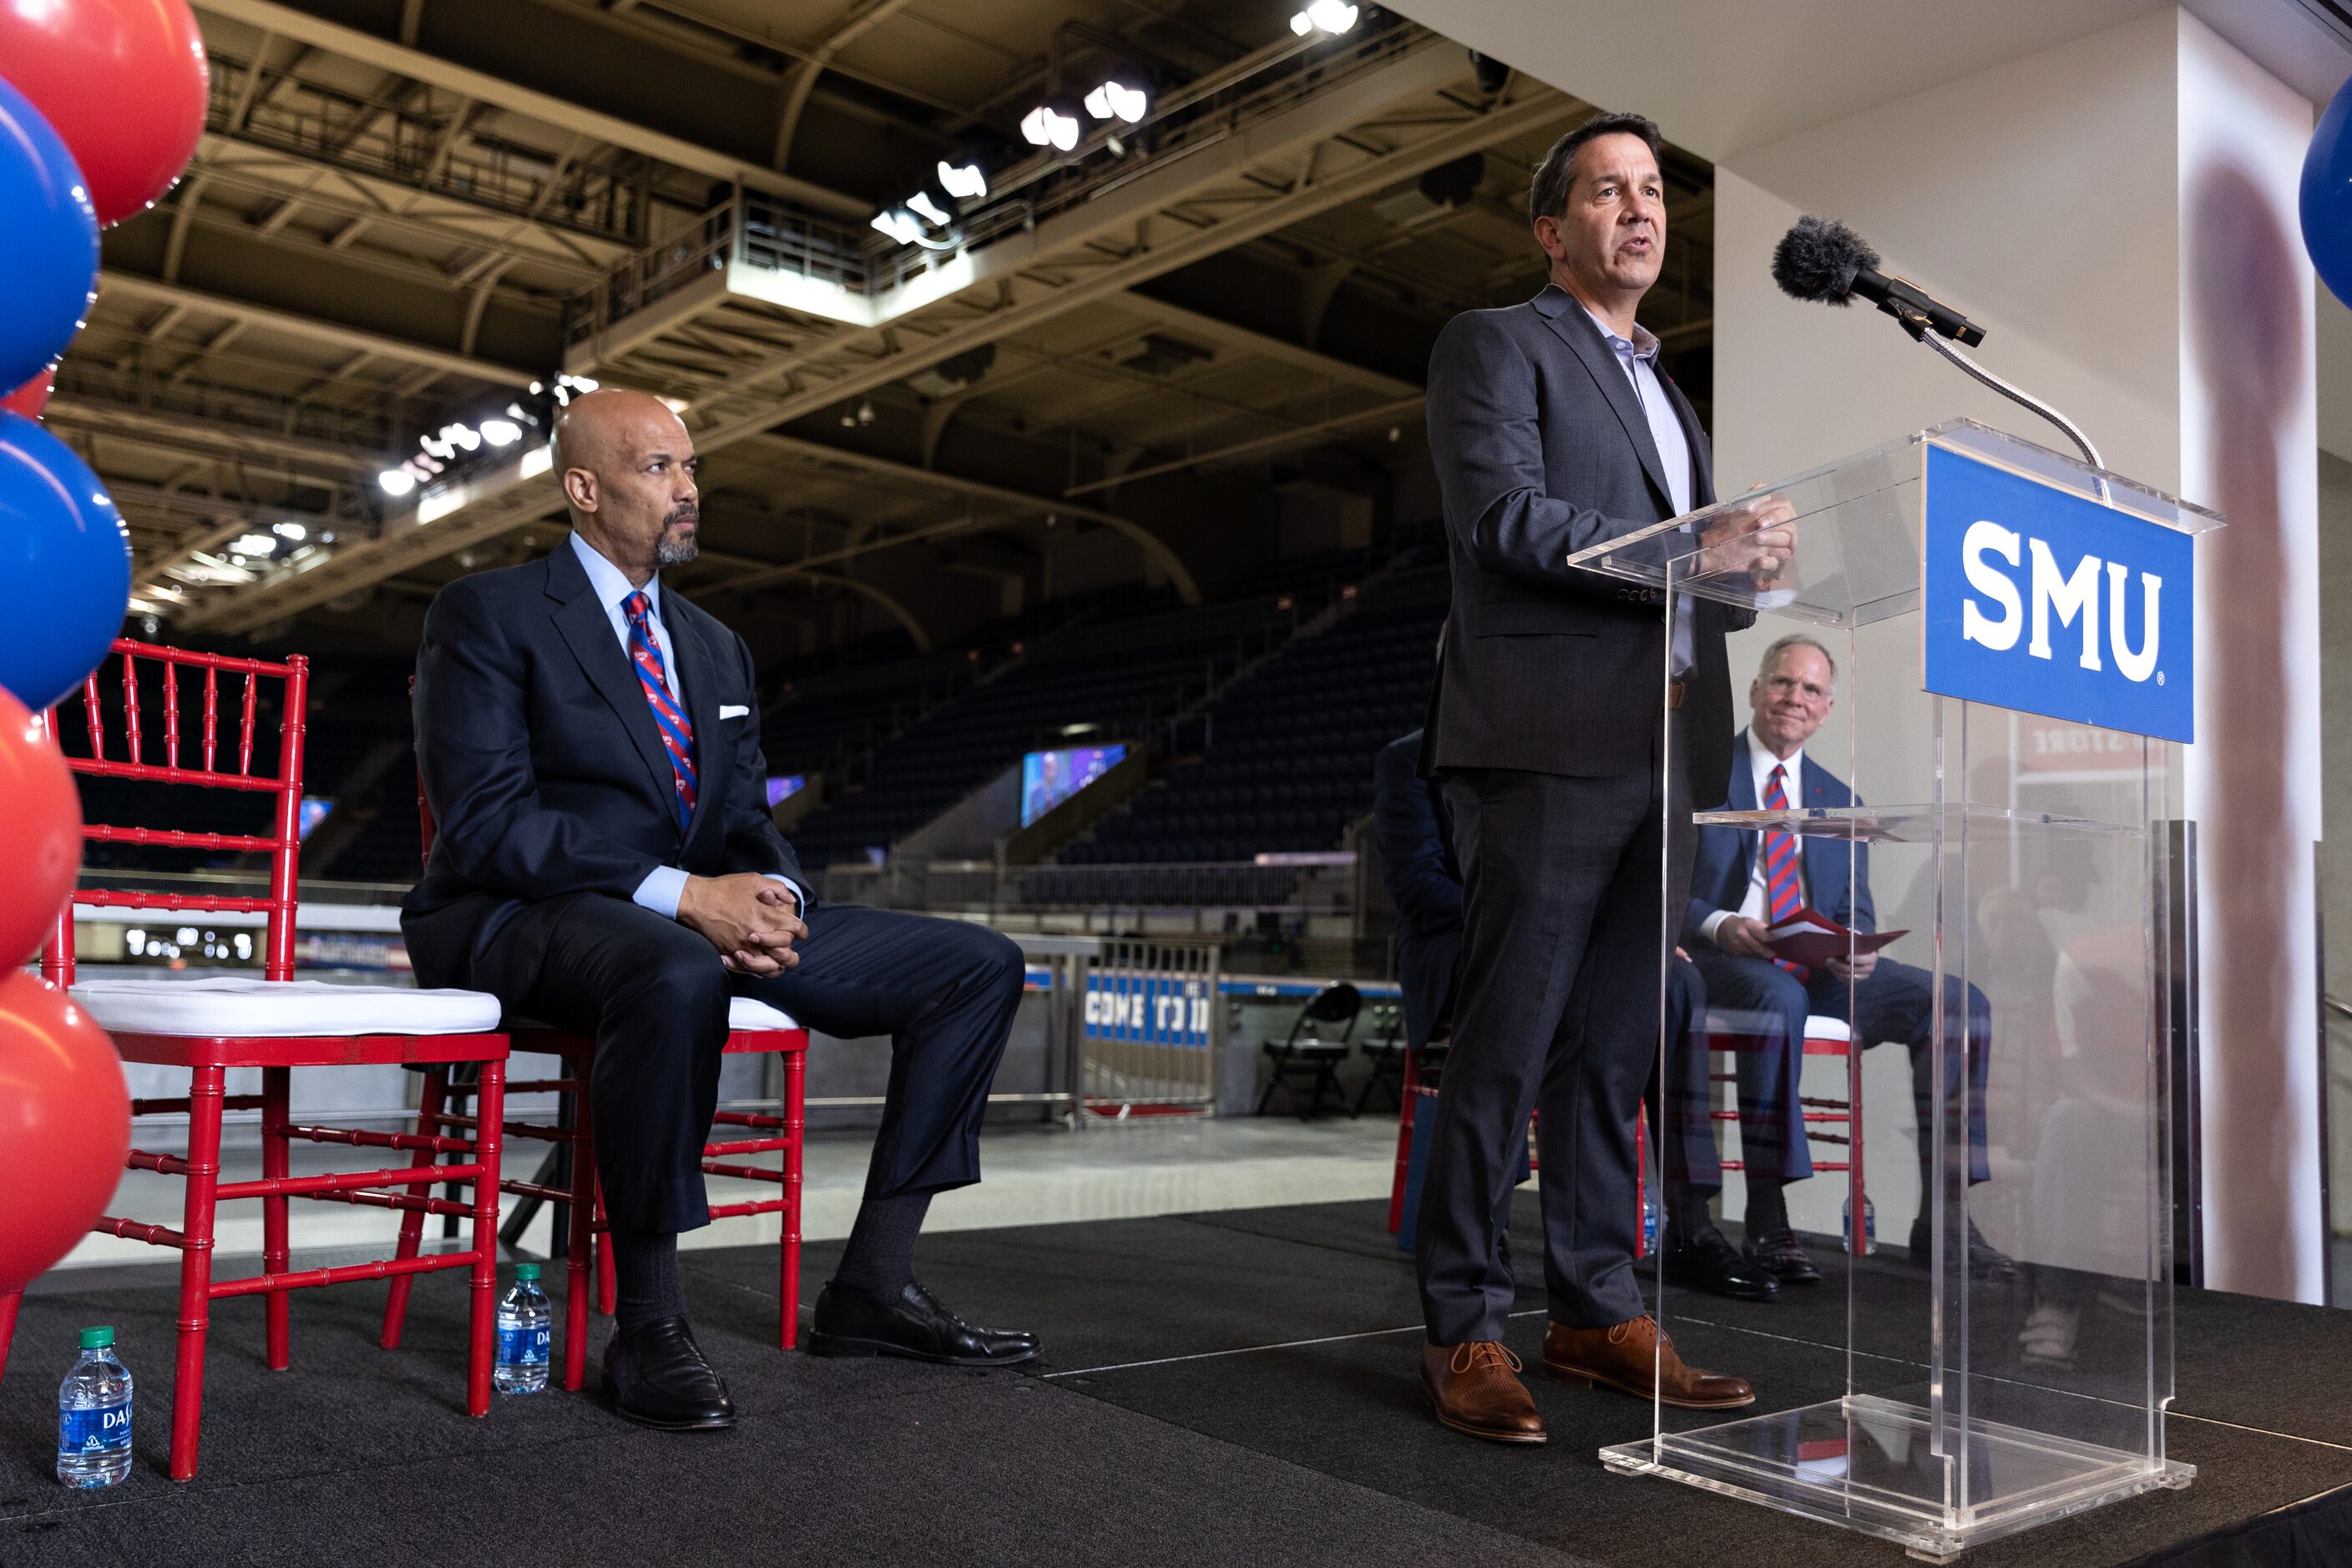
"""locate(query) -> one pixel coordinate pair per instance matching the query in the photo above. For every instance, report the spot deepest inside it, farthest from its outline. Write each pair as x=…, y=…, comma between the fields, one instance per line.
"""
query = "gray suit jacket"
x=1541, y=449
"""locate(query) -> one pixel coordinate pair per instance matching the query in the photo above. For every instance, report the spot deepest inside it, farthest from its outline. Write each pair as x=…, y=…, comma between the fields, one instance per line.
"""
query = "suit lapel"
x=1576, y=329
x=587, y=630
x=697, y=678
x=1743, y=798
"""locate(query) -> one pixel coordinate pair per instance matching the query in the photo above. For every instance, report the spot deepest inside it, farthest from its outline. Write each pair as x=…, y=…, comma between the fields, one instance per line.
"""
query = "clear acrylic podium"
x=1935, y=1391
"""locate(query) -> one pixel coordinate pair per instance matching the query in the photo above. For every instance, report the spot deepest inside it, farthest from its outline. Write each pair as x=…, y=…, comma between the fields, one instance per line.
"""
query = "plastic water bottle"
x=1654, y=1222
x=94, y=1415
x=525, y=1323
x=1869, y=1224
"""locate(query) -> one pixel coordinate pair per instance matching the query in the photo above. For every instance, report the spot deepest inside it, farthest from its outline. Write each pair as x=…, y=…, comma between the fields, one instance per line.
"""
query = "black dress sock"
x=880, y=1256
x=1768, y=1213
x=644, y=1278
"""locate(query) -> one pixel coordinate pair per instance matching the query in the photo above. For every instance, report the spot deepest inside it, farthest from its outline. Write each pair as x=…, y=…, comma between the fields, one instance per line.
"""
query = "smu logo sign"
x=2044, y=601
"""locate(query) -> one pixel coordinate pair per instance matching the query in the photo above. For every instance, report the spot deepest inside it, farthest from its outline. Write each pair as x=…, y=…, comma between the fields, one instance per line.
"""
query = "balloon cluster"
x=101, y=105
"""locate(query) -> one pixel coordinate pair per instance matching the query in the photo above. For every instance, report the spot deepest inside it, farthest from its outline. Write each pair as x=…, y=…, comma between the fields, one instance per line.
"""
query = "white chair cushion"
x=235, y=1005
x=1737, y=1021
x=743, y=1012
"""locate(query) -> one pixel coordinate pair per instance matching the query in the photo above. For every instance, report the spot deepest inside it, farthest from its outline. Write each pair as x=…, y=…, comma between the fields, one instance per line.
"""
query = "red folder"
x=1810, y=938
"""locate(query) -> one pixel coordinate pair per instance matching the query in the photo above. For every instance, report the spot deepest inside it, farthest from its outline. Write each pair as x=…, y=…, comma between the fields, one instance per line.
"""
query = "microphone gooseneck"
x=1821, y=259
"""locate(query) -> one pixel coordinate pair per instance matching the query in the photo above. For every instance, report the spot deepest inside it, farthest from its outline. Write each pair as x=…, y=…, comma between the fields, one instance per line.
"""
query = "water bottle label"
x=520, y=1345
x=103, y=1429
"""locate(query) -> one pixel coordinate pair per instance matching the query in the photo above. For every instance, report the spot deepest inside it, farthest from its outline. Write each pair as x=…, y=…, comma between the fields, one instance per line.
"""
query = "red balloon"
x=30, y=399
x=124, y=83
x=40, y=833
x=65, y=1126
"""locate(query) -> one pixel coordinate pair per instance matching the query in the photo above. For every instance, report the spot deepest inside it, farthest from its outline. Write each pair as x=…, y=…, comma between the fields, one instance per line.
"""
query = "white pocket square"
x=733, y=710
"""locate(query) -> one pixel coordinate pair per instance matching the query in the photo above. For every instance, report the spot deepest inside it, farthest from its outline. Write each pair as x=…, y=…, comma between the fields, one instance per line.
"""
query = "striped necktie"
x=1780, y=864
x=677, y=733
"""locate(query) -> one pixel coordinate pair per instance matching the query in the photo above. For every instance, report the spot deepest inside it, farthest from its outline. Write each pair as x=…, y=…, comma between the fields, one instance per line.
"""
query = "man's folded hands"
x=751, y=919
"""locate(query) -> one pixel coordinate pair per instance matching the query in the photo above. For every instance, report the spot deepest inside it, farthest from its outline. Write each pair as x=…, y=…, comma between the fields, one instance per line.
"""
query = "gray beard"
x=674, y=550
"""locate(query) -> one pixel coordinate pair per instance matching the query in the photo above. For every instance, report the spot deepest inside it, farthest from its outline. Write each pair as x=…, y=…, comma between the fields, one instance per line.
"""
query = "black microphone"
x=1820, y=258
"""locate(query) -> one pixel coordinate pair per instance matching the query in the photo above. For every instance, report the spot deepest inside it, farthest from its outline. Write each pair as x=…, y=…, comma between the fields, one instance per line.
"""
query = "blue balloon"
x=66, y=558
x=48, y=242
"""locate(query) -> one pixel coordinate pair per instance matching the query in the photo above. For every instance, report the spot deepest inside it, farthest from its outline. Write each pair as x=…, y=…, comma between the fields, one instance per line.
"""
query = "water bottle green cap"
x=526, y=1271
x=96, y=1338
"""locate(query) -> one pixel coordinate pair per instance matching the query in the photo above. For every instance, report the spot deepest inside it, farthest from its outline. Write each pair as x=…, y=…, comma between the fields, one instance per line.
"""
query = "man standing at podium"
x=1743, y=883
x=1552, y=429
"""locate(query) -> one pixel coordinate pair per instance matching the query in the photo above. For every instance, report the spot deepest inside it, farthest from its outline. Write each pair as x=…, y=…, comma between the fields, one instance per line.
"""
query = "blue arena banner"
x=1148, y=1009
x=2046, y=602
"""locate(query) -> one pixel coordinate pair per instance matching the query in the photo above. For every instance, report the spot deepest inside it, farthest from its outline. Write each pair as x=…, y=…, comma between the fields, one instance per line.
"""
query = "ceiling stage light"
x=899, y=224
x=395, y=481
x=1114, y=99
x=501, y=432
x=1047, y=126
x=922, y=205
x=1325, y=16
x=964, y=182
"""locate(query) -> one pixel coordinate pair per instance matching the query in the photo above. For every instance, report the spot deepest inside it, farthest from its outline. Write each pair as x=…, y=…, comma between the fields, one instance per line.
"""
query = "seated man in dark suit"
x=1418, y=870
x=606, y=864
x=1744, y=881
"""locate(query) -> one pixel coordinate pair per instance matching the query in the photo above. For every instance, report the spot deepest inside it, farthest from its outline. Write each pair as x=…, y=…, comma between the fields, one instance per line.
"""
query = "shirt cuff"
x=1713, y=923
x=660, y=890
x=798, y=891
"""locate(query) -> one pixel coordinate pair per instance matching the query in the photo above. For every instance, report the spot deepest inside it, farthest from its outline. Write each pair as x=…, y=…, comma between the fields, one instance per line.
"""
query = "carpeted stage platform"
x=1221, y=1388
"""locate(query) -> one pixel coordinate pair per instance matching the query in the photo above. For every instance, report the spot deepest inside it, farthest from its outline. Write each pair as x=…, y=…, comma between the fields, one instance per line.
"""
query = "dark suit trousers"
x=1894, y=1007
x=654, y=995
x=1558, y=1010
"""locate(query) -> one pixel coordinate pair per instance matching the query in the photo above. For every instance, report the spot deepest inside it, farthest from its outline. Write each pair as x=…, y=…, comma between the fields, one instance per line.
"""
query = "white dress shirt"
x=664, y=884
x=1760, y=763
x=1639, y=355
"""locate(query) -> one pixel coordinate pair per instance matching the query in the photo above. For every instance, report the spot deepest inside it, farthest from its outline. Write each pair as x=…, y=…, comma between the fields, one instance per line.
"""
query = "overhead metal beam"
x=115, y=283
x=1263, y=446
x=414, y=64
x=211, y=438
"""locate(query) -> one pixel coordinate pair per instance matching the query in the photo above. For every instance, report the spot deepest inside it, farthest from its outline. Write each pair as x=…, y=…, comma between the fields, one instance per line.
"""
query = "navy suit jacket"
x=545, y=769
x=1837, y=871
x=1418, y=870
x=1541, y=448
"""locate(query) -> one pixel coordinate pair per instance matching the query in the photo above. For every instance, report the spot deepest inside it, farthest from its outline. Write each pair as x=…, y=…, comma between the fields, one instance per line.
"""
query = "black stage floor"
x=1219, y=1388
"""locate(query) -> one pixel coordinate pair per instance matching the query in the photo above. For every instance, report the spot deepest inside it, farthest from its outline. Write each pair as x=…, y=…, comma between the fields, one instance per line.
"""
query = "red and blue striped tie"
x=1780, y=864
x=677, y=733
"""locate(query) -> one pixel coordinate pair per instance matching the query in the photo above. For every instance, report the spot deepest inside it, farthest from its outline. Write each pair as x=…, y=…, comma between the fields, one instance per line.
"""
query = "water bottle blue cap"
x=526, y=1271
x=96, y=1338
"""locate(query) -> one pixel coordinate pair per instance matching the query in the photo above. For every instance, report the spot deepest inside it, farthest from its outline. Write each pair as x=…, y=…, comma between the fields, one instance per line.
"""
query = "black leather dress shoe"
x=659, y=1379
x=1986, y=1262
x=1705, y=1260
x=1779, y=1254
x=851, y=1320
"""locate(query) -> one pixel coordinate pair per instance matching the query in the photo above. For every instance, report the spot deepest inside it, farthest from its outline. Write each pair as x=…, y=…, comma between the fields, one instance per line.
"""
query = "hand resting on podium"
x=1756, y=537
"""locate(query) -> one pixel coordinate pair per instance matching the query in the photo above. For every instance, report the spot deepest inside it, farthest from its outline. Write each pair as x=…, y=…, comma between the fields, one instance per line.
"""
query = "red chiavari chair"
x=753, y=1029
x=214, y=1024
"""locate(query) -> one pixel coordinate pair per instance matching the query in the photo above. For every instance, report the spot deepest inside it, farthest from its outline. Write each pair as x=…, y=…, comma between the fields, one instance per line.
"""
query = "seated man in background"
x=1742, y=883
x=605, y=863
x=1418, y=870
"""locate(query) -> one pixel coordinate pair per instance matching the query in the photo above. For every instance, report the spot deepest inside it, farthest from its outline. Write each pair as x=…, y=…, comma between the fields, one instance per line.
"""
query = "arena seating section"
x=1273, y=708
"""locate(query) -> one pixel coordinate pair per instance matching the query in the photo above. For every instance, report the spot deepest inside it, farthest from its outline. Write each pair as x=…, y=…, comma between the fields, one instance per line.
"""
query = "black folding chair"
x=1311, y=1056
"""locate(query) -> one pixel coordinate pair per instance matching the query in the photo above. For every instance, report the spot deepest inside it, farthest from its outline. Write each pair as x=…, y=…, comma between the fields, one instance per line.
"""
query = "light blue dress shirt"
x=1639, y=355
x=663, y=885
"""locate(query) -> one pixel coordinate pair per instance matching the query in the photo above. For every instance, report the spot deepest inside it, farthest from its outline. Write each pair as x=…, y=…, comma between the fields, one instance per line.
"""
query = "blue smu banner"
x=2046, y=602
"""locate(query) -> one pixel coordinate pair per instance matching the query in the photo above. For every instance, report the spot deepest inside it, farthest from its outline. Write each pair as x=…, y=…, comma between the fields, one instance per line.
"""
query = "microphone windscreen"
x=1818, y=259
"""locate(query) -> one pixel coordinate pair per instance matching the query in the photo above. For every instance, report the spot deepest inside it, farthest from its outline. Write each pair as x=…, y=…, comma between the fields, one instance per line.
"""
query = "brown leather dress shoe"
x=1474, y=1388
x=1635, y=1357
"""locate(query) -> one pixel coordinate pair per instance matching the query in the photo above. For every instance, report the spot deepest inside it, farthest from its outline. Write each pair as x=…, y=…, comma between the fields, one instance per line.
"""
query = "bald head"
x=627, y=465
